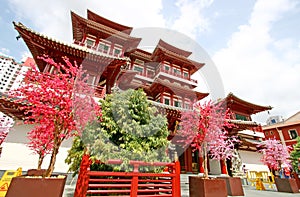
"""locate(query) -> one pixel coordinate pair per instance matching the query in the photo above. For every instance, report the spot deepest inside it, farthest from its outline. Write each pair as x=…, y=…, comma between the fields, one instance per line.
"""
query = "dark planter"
x=286, y=185
x=296, y=177
x=36, y=186
x=234, y=186
x=200, y=187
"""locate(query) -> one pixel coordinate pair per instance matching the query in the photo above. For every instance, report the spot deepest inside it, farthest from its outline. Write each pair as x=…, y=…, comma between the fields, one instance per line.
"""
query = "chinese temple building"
x=112, y=59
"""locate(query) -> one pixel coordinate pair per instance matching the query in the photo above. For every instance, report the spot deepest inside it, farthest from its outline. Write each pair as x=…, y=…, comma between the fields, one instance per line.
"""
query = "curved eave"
x=251, y=142
x=99, y=19
x=78, y=26
x=140, y=54
x=174, y=49
x=179, y=90
x=240, y=125
x=100, y=30
x=39, y=44
x=167, y=109
x=161, y=54
x=231, y=99
x=11, y=108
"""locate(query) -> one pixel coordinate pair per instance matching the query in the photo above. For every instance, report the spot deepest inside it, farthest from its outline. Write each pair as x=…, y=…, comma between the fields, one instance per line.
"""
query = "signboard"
x=6, y=179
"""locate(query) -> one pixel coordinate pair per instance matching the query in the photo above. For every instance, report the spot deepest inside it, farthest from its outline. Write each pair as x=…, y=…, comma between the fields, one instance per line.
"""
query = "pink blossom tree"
x=5, y=127
x=205, y=129
x=275, y=154
x=60, y=104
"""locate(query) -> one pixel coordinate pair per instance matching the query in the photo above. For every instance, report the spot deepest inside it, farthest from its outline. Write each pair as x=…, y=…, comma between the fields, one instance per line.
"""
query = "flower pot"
x=234, y=186
x=200, y=187
x=286, y=185
x=27, y=186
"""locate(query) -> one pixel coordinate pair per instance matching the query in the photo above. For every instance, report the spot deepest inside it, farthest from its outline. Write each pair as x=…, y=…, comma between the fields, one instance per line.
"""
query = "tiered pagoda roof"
x=102, y=28
x=165, y=51
x=40, y=44
x=176, y=89
x=237, y=104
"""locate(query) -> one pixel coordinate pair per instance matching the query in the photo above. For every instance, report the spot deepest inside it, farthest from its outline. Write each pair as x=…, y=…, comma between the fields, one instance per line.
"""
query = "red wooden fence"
x=128, y=184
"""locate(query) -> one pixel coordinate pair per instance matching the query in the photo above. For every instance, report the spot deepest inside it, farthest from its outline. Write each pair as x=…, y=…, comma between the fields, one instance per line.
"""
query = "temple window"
x=138, y=68
x=177, y=103
x=90, y=43
x=167, y=68
x=117, y=52
x=293, y=133
x=241, y=117
x=186, y=75
x=104, y=48
x=176, y=71
x=167, y=101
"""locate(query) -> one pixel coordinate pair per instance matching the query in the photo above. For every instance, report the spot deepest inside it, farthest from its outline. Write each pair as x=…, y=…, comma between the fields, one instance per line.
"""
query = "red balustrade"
x=129, y=184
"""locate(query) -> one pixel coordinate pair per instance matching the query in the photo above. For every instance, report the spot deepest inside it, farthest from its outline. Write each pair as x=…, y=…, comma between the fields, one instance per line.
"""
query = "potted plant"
x=59, y=104
x=130, y=129
x=204, y=128
x=276, y=157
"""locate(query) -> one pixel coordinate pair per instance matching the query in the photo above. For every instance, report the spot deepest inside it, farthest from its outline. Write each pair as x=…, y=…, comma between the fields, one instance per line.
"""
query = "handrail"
x=166, y=183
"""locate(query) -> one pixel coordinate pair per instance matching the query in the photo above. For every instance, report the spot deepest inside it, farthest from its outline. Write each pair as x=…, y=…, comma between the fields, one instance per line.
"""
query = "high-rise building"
x=11, y=75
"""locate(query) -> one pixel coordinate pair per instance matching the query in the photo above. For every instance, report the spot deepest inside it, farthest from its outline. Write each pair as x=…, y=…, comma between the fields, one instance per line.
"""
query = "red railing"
x=129, y=184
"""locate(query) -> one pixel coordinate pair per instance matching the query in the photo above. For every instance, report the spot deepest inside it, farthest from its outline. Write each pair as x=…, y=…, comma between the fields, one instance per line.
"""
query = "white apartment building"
x=11, y=75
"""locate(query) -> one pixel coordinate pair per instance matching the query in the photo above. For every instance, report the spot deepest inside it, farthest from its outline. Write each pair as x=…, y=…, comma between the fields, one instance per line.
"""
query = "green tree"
x=130, y=129
x=295, y=155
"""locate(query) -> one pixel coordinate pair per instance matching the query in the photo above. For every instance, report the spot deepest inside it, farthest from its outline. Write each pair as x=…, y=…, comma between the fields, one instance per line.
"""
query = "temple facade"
x=113, y=60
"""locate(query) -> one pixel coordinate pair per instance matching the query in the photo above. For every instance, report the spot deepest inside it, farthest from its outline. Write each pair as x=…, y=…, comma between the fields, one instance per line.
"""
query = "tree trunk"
x=52, y=161
x=205, y=160
x=40, y=162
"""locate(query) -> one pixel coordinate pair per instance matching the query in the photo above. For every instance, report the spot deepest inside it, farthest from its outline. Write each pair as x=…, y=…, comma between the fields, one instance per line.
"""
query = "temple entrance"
x=189, y=160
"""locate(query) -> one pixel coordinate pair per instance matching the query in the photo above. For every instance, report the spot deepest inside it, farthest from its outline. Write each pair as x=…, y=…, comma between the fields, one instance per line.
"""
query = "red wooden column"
x=201, y=160
x=83, y=179
x=176, y=186
x=223, y=166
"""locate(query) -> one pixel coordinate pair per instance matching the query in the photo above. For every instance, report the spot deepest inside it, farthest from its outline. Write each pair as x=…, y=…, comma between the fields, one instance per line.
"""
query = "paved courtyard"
x=249, y=191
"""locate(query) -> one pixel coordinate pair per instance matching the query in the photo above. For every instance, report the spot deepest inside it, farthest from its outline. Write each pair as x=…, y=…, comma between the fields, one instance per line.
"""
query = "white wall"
x=16, y=154
x=252, y=161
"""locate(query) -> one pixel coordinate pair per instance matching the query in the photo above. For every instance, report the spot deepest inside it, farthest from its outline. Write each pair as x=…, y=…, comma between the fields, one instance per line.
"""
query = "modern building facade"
x=11, y=75
x=286, y=131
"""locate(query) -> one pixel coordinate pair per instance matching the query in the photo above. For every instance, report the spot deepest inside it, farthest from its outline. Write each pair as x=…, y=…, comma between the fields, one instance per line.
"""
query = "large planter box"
x=286, y=185
x=234, y=186
x=200, y=187
x=35, y=187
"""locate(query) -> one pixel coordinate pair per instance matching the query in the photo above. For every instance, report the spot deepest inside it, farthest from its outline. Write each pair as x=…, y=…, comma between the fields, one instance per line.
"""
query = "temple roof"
x=236, y=104
x=102, y=29
x=40, y=44
x=10, y=107
x=99, y=19
x=164, y=45
x=167, y=52
x=178, y=89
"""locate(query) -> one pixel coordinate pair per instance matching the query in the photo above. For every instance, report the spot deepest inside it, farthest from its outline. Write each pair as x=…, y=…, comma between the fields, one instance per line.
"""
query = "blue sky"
x=255, y=44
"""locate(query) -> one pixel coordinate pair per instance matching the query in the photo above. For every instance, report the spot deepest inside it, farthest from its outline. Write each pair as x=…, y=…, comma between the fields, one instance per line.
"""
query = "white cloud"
x=191, y=20
x=53, y=17
x=25, y=55
x=252, y=70
x=4, y=51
